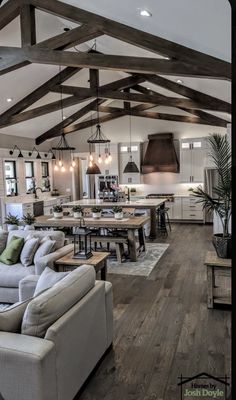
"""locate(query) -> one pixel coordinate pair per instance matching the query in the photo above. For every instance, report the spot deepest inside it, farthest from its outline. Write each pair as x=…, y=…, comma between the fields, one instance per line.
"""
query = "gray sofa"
x=11, y=275
x=56, y=366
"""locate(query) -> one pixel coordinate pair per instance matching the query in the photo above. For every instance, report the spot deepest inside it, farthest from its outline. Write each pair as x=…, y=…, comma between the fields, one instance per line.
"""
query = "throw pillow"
x=28, y=251
x=49, y=306
x=12, y=251
x=47, y=279
x=44, y=249
x=11, y=317
x=3, y=240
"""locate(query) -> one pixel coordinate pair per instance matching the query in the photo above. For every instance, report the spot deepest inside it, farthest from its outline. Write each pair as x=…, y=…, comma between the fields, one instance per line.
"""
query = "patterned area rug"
x=145, y=264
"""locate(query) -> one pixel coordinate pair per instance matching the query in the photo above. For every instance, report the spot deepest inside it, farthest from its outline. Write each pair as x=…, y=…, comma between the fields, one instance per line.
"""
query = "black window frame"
x=13, y=177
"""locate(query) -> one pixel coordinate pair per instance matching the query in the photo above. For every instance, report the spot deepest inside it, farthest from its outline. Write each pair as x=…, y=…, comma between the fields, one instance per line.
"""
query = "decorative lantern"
x=82, y=241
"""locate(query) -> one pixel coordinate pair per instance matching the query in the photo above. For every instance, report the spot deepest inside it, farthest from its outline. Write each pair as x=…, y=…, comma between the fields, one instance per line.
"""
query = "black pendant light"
x=93, y=169
x=131, y=166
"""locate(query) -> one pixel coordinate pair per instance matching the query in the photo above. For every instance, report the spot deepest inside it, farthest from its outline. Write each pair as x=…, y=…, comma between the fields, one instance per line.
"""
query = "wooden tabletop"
x=127, y=223
x=142, y=203
x=214, y=260
x=97, y=258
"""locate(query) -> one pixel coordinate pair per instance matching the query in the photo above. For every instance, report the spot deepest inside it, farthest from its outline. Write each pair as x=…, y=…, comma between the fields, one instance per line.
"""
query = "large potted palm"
x=221, y=201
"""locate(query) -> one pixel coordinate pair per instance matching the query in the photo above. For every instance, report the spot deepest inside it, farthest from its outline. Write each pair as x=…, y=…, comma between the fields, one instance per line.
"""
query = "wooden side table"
x=218, y=268
x=98, y=261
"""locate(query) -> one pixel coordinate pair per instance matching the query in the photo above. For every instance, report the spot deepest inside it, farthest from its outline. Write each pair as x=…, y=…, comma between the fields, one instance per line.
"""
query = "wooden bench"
x=119, y=243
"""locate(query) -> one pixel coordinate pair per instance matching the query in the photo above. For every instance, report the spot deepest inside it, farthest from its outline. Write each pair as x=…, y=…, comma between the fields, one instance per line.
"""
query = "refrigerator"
x=210, y=181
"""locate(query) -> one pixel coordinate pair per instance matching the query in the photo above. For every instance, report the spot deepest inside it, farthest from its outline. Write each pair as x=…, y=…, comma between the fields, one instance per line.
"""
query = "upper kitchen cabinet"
x=192, y=159
x=124, y=158
x=110, y=167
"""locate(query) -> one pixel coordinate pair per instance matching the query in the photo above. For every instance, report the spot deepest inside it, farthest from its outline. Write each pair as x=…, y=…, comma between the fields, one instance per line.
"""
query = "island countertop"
x=142, y=203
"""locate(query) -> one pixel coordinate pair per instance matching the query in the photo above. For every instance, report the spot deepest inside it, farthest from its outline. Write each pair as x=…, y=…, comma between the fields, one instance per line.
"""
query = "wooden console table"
x=218, y=268
x=98, y=261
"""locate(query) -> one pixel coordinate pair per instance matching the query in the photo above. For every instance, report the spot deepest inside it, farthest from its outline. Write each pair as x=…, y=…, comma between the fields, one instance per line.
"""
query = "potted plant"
x=12, y=222
x=28, y=220
x=77, y=211
x=118, y=212
x=57, y=211
x=96, y=211
x=221, y=201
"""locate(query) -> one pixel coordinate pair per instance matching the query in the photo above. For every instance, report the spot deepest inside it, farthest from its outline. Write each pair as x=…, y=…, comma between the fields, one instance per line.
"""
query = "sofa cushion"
x=11, y=253
x=44, y=249
x=11, y=317
x=50, y=305
x=10, y=275
x=58, y=236
x=28, y=251
x=47, y=279
x=3, y=240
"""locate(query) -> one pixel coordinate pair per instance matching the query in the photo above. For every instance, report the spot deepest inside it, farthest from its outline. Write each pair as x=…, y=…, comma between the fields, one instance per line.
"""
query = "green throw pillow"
x=12, y=251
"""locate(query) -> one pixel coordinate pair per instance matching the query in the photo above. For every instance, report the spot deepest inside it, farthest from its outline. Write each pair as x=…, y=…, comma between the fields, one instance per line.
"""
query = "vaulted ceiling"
x=132, y=71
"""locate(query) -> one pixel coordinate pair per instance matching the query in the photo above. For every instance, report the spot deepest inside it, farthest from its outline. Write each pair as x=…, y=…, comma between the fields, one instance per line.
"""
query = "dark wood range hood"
x=160, y=155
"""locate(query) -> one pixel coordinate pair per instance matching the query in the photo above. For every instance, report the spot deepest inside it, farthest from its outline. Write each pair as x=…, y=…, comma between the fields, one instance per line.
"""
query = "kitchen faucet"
x=35, y=192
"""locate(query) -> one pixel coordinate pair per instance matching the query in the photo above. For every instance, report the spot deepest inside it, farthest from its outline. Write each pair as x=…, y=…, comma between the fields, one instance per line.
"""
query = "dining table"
x=145, y=204
x=131, y=224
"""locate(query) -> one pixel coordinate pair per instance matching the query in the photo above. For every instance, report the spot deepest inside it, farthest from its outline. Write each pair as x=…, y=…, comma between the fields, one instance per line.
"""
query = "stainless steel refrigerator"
x=210, y=181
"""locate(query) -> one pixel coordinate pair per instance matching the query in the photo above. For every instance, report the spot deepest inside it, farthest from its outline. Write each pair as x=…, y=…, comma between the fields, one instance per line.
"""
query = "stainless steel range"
x=168, y=196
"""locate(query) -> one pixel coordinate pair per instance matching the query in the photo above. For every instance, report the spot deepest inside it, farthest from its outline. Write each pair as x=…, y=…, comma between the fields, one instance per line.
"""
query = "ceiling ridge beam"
x=34, y=96
x=27, y=25
x=136, y=37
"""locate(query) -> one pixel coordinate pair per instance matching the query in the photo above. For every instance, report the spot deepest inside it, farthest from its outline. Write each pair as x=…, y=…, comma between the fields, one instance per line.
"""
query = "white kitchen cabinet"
x=191, y=209
x=19, y=209
x=192, y=160
x=112, y=168
x=177, y=208
x=124, y=158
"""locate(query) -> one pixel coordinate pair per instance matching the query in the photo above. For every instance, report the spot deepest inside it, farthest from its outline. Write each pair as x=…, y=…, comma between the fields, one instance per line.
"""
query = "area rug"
x=146, y=262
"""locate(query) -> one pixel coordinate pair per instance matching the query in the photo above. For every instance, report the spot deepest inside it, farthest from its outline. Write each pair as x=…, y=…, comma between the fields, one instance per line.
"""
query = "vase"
x=119, y=215
x=58, y=215
x=12, y=227
x=96, y=215
x=29, y=227
x=223, y=245
x=77, y=214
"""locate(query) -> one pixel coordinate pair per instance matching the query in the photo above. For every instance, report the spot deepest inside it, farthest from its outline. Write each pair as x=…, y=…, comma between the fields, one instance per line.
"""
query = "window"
x=29, y=175
x=45, y=170
x=10, y=178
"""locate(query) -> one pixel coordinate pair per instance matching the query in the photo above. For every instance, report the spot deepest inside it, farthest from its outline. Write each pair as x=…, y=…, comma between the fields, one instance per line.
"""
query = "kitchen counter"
x=30, y=199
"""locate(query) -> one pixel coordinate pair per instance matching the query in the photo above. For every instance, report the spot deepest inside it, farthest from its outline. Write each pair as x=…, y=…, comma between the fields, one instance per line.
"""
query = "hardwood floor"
x=162, y=326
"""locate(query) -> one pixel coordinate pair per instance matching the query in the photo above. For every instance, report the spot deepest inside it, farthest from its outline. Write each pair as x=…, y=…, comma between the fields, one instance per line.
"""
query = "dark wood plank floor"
x=162, y=326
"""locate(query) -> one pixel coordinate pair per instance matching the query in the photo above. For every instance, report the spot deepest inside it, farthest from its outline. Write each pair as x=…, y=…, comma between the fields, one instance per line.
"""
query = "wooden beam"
x=57, y=130
x=27, y=25
x=71, y=38
x=208, y=118
x=151, y=97
x=111, y=62
x=216, y=104
x=8, y=12
x=137, y=37
x=119, y=84
x=196, y=119
x=41, y=91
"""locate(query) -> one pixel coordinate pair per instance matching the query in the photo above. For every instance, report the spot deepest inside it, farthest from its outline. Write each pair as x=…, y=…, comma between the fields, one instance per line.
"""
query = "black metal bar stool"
x=163, y=220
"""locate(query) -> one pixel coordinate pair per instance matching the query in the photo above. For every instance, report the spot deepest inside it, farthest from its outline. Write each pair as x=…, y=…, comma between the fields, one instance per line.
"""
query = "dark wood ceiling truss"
x=179, y=60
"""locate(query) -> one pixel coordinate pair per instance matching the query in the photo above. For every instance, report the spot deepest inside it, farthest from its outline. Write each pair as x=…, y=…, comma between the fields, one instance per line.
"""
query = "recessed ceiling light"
x=148, y=88
x=145, y=13
x=9, y=99
x=166, y=58
x=179, y=81
x=64, y=117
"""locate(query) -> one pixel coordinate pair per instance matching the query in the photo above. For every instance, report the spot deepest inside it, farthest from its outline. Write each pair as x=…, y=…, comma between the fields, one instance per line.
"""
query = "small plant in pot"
x=28, y=220
x=118, y=212
x=77, y=211
x=221, y=201
x=97, y=212
x=12, y=222
x=57, y=211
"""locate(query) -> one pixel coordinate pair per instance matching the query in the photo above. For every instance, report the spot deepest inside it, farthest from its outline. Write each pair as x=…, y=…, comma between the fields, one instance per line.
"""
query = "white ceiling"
x=203, y=25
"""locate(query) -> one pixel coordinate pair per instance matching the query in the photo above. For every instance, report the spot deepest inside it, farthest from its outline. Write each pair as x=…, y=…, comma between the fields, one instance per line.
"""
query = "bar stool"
x=163, y=220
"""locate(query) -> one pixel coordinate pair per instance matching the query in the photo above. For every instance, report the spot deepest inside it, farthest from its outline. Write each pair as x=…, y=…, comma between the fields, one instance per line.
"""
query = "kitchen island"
x=148, y=204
